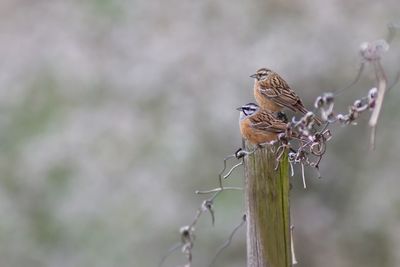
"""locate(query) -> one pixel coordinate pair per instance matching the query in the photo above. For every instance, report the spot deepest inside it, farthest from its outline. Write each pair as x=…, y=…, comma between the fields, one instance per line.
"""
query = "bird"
x=273, y=93
x=258, y=125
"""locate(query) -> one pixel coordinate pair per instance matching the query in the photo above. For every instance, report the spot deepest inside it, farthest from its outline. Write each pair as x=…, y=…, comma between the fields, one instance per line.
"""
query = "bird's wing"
x=282, y=94
x=267, y=122
x=278, y=98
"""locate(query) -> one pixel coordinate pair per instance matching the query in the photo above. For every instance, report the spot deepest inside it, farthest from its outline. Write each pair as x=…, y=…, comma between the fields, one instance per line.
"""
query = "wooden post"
x=267, y=209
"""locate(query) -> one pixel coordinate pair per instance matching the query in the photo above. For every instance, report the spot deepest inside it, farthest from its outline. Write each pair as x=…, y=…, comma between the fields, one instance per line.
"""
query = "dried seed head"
x=185, y=231
x=358, y=103
x=328, y=98
x=309, y=116
x=342, y=118
x=319, y=102
x=327, y=134
x=318, y=148
x=291, y=156
x=372, y=96
x=373, y=50
x=207, y=205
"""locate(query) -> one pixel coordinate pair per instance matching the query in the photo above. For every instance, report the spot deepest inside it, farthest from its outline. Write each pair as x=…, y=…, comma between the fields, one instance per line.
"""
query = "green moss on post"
x=267, y=208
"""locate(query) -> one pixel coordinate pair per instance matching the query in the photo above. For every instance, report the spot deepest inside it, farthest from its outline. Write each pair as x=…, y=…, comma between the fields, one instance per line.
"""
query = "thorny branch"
x=187, y=231
x=356, y=79
x=228, y=242
x=305, y=143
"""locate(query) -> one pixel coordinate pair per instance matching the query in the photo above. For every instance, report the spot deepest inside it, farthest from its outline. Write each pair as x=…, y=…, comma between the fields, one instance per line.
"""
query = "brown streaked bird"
x=273, y=93
x=258, y=125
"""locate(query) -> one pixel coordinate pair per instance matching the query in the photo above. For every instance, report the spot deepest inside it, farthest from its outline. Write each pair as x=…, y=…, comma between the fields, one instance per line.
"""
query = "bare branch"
x=217, y=190
x=232, y=169
x=356, y=79
x=228, y=242
x=294, y=261
x=169, y=252
x=382, y=83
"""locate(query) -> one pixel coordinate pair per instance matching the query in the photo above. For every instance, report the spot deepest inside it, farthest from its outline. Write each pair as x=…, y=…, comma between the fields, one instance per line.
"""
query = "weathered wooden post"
x=267, y=209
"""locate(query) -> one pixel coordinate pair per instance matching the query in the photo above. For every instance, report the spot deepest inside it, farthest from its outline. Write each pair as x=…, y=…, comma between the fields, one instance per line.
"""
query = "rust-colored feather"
x=262, y=127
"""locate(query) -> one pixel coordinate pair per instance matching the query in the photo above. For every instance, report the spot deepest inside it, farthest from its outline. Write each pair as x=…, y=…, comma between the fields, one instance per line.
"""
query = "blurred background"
x=112, y=113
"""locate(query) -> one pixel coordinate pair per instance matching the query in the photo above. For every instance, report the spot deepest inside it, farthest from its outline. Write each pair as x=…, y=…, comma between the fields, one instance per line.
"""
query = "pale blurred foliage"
x=114, y=112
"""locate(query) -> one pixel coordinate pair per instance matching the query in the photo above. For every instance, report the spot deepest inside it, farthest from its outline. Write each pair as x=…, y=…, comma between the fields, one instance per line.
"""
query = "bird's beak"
x=253, y=76
x=240, y=108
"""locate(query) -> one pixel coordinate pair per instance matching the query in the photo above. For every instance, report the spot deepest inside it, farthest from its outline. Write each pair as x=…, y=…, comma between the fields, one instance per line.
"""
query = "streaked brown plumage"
x=273, y=93
x=258, y=125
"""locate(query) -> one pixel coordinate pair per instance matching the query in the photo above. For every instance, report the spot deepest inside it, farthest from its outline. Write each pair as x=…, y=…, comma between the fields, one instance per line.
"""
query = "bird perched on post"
x=273, y=93
x=258, y=125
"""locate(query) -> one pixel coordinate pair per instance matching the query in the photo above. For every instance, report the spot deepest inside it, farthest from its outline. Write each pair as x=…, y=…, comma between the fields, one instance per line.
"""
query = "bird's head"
x=247, y=110
x=262, y=74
